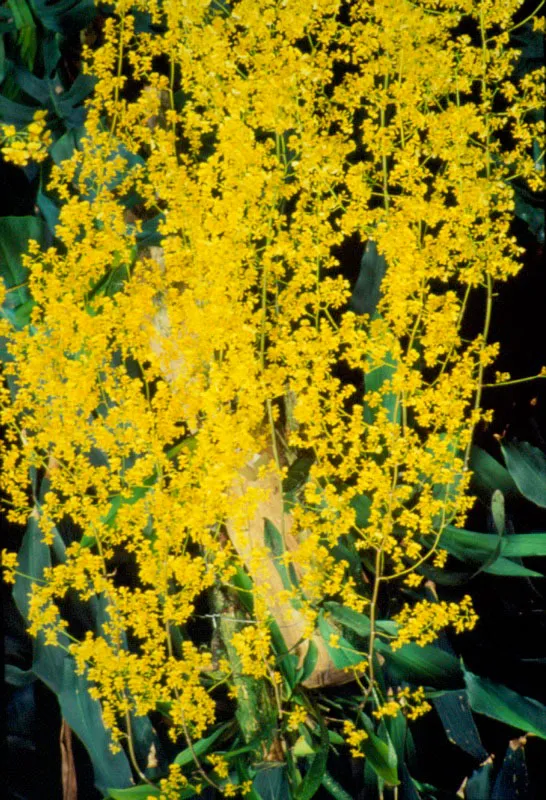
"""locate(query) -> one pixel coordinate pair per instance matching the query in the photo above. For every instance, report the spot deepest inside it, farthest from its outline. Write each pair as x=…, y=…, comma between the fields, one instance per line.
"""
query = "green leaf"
x=33, y=558
x=380, y=754
x=314, y=775
x=508, y=568
x=66, y=144
x=499, y=702
x=52, y=665
x=309, y=662
x=83, y=713
x=469, y=546
x=527, y=466
x=244, y=585
x=64, y=16
x=529, y=212
x=473, y=546
x=57, y=670
x=367, y=290
x=361, y=505
x=199, y=748
x=15, y=234
x=286, y=661
x=333, y=787
x=17, y=114
x=134, y=793
x=34, y=87
x=375, y=381
x=298, y=472
x=350, y=618
x=16, y=676
x=426, y=666
x=489, y=474
x=49, y=211
x=273, y=540
x=512, y=782
x=26, y=27
x=271, y=783
x=302, y=748
x=522, y=545
x=456, y=716
x=345, y=654
x=497, y=511
x=478, y=786
x=149, y=233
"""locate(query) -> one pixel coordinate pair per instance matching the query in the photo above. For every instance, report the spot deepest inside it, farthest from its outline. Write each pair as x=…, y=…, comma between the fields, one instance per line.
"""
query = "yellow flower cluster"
x=9, y=565
x=219, y=764
x=262, y=136
x=354, y=738
x=252, y=646
x=170, y=787
x=422, y=622
x=411, y=703
x=26, y=144
x=296, y=718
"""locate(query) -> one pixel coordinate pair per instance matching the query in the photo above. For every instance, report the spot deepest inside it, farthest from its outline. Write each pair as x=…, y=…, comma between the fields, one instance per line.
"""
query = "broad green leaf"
x=333, y=788
x=380, y=754
x=287, y=662
x=531, y=214
x=527, y=466
x=26, y=29
x=489, y=474
x=134, y=793
x=143, y=792
x=34, y=556
x=356, y=621
x=367, y=290
x=522, y=545
x=243, y=583
x=512, y=781
x=509, y=568
x=426, y=666
x=497, y=701
x=302, y=748
x=34, y=87
x=271, y=783
x=66, y=144
x=16, y=676
x=497, y=511
x=409, y=789
x=64, y=16
x=18, y=114
x=274, y=542
x=345, y=654
x=473, y=546
x=199, y=748
x=15, y=234
x=149, y=233
x=374, y=381
x=52, y=665
x=49, y=211
x=350, y=618
x=310, y=661
x=480, y=782
x=298, y=473
x=57, y=670
x=244, y=775
x=314, y=775
x=361, y=505
x=456, y=716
